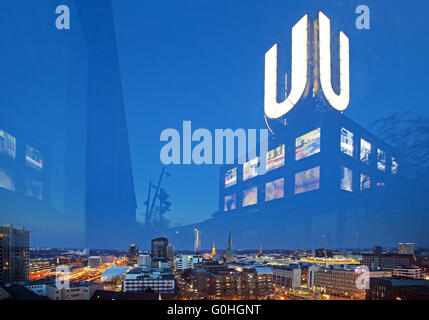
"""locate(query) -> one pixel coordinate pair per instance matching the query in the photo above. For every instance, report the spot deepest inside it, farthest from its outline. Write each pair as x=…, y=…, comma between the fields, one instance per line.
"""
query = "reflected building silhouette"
x=110, y=203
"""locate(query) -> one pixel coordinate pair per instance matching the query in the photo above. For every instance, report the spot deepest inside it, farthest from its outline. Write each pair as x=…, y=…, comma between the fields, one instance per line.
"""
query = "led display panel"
x=33, y=158
x=346, y=179
x=34, y=189
x=250, y=196
x=381, y=160
x=365, y=150
x=307, y=144
x=250, y=169
x=7, y=144
x=274, y=190
x=230, y=202
x=276, y=158
x=307, y=180
x=347, y=142
x=7, y=179
x=231, y=177
x=365, y=182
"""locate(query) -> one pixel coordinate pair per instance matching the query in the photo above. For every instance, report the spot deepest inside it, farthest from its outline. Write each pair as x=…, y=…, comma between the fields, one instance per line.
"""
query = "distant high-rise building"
x=159, y=247
x=170, y=255
x=197, y=240
x=229, y=252
x=14, y=254
x=406, y=248
x=134, y=252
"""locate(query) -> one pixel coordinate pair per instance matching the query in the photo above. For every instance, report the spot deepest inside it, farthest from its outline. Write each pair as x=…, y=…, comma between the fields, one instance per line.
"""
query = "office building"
x=341, y=282
x=413, y=272
x=382, y=260
x=159, y=247
x=406, y=248
x=286, y=277
x=254, y=283
x=77, y=291
x=141, y=279
x=14, y=254
x=187, y=261
x=398, y=289
x=134, y=252
x=170, y=255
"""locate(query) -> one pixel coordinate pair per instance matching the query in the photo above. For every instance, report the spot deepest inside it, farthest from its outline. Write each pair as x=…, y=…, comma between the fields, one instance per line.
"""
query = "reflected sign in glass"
x=381, y=160
x=7, y=144
x=365, y=150
x=307, y=180
x=33, y=158
x=231, y=177
x=365, y=182
x=274, y=190
x=347, y=142
x=250, y=169
x=7, y=179
x=276, y=158
x=230, y=202
x=250, y=196
x=346, y=179
x=307, y=144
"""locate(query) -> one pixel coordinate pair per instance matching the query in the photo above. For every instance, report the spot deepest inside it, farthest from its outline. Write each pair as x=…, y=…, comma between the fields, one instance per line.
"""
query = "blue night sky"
x=194, y=60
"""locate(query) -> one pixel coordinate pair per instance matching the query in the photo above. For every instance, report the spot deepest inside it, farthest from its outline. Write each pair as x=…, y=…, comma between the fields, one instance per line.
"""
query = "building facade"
x=157, y=280
x=159, y=247
x=14, y=254
x=343, y=282
x=187, y=261
x=286, y=277
x=382, y=260
x=398, y=289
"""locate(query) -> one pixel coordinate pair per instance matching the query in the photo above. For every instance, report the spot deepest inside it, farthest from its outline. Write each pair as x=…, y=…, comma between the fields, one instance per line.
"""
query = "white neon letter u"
x=273, y=109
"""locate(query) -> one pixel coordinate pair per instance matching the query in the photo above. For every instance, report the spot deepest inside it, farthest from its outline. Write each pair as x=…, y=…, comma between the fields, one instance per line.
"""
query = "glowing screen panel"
x=33, y=158
x=230, y=202
x=7, y=179
x=231, y=177
x=346, y=179
x=250, y=196
x=307, y=180
x=274, y=190
x=365, y=150
x=250, y=169
x=307, y=144
x=347, y=142
x=276, y=158
x=7, y=144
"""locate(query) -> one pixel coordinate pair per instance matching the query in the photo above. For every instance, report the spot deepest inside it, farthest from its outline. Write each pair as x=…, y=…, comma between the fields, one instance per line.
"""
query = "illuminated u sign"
x=300, y=69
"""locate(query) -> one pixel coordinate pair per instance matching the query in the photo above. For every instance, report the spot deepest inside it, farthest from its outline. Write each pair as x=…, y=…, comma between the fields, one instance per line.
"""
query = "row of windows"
x=305, y=146
x=305, y=181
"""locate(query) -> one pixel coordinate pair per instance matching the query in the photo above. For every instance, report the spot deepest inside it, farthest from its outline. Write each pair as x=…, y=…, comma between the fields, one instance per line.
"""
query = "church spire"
x=213, y=250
